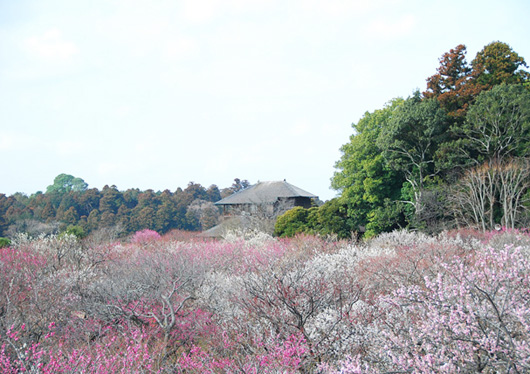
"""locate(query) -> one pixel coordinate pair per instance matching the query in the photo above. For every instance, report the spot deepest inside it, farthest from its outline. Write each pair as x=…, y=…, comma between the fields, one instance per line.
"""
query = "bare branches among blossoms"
x=315, y=297
x=514, y=178
x=147, y=288
x=403, y=303
x=493, y=193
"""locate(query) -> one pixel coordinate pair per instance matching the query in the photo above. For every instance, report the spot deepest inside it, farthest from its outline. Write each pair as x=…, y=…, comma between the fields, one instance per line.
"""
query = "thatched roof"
x=233, y=223
x=265, y=193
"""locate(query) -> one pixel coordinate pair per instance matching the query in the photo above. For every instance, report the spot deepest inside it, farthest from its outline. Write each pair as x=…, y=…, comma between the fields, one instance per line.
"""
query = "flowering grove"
x=401, y=303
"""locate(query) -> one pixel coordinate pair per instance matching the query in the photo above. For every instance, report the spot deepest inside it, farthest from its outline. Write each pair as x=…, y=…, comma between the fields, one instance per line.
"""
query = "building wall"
x=267, y=210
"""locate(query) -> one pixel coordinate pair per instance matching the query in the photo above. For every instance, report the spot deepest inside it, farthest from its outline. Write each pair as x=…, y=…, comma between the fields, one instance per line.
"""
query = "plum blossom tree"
x=313, y=296
x=402, y=303
x=473, y=317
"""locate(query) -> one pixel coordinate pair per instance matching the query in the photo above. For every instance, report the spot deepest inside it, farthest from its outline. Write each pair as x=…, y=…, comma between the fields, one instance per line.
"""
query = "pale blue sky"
x=154, y=94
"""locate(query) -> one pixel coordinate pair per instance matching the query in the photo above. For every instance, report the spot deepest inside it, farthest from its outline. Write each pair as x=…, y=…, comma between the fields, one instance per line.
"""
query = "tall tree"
x=451, y=84
x=497, y=126
x=213, y=193
x=410, y=142
x=65, y=182
x=88, y=201
x=111, y=199
x=456, y=83
x=497, y=63
x=363, y=176
x=237, y=186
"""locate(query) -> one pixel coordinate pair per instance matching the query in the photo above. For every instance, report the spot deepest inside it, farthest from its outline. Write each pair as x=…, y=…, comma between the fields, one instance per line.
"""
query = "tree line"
x=68, y=202
x=454, y=155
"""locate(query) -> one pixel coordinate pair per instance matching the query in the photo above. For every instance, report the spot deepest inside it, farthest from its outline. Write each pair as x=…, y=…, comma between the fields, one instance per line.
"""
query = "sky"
x=157, y=94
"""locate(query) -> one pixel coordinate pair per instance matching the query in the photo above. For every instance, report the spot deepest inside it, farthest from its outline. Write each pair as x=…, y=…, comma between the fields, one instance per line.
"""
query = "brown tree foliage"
x=457, y=83
x=453, y=85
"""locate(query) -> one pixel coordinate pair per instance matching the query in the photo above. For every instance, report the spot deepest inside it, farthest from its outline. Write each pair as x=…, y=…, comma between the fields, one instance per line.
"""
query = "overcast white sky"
x=155, y=94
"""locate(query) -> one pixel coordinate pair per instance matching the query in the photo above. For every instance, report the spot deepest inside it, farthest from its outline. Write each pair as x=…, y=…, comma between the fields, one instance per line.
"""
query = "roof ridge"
x=290, y=187
x=268, y=192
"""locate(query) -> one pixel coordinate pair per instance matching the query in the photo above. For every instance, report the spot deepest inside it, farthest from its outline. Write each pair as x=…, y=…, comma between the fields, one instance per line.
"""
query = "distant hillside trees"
x=68, y=202
x=457, y=154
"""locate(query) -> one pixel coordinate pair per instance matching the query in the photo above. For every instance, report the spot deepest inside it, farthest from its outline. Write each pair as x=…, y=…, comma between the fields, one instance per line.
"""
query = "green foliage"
x=497, y=63
x=76, y=231
x=4, y=242
x=498, y=123
x=412, y=136
x=329, y=219
x=496, y=126
x=364, y=176
x=65, y=182
x=399, y=163
x=385, y=217
x=292, y=222
x=410, y=142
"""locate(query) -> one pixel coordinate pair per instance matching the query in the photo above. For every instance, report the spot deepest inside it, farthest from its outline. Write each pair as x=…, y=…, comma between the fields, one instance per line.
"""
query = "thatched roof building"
x=268, y=193
x=258, y=204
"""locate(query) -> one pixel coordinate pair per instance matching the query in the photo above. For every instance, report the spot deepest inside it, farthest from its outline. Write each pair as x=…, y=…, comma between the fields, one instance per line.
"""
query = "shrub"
x=145, y=236
x=292, y=222
x=76, y=231
x=4, y=242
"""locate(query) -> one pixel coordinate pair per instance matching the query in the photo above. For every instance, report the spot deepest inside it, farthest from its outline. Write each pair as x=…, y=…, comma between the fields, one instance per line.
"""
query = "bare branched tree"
x=258, y=217
x=492, y=193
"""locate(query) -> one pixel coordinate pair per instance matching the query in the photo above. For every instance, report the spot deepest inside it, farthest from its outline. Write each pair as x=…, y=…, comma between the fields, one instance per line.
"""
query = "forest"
x=420, y=265
x=68, y=204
